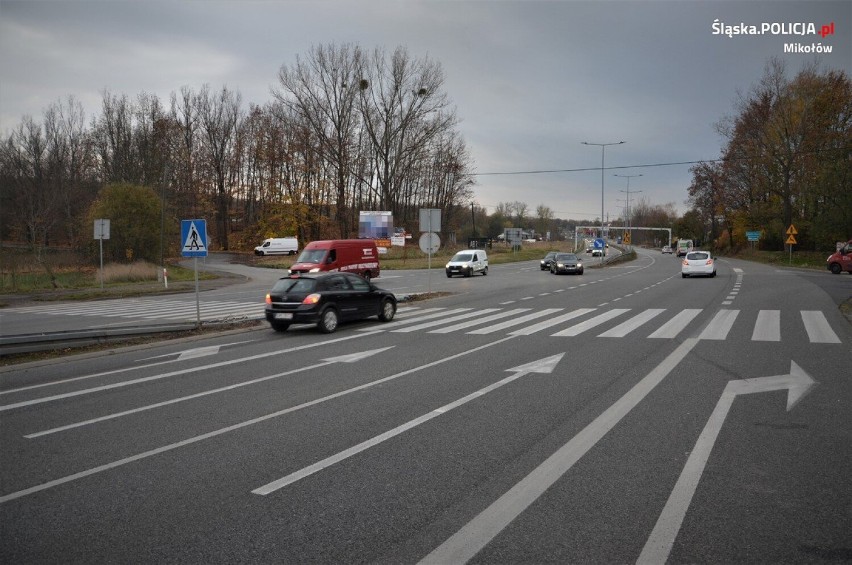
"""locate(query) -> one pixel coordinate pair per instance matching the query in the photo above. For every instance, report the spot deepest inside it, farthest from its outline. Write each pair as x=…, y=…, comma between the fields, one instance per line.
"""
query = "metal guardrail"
x=32, y=343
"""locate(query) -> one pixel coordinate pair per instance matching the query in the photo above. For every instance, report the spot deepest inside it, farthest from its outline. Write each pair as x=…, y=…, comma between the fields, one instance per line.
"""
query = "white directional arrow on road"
x=659, y=545
x=541, y=366
x=351, y=358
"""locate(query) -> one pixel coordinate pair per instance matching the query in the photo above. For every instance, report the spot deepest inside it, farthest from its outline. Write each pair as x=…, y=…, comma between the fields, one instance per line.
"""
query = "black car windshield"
x=462, y=257
x=294, y=286
x=311, y=256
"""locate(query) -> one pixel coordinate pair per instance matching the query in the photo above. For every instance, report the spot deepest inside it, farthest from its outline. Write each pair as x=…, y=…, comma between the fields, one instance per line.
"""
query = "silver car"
x=698, y=263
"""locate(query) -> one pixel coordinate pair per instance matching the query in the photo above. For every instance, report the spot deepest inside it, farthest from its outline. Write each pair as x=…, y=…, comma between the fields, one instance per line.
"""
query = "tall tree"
x=219, y=115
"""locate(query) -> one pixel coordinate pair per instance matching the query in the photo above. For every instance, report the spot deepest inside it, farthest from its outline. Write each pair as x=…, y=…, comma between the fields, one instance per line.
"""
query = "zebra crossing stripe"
x=768, y=326
x=625, y=328
x=529, y=330
x=476, y=321
x=720, y=325
x=434, y=323
x=676, y=325
x=592, y=322
x=819, y=331
x=516, y=321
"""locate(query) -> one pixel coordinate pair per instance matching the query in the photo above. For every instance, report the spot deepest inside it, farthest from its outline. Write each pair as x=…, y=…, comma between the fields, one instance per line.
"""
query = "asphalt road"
x=625, y=415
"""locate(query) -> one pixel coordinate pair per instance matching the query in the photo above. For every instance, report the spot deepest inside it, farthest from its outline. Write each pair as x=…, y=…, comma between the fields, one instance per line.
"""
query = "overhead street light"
x=628, y=177
x=603, y=147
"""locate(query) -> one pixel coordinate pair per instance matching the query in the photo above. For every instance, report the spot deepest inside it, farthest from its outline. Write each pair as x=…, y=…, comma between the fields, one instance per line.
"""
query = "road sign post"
x=193, y=237
x=430, y=222
x=102, y=233
x=791, y=240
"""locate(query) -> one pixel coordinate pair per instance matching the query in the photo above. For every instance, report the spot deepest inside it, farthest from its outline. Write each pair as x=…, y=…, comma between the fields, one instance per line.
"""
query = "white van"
x=468, y=262
x=278, y=246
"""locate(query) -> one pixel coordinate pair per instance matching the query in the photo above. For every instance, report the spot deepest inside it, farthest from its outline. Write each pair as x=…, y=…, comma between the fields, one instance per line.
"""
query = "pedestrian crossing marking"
x=720, y=325
x=552, y=322
x=625, y=328
x=819, y=331
x=676, y=325
x=767, y=324
x=594, y=322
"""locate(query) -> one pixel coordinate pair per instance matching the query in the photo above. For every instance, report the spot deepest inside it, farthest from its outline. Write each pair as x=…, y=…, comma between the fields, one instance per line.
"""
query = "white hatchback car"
x=468, y=262
x=698, y=263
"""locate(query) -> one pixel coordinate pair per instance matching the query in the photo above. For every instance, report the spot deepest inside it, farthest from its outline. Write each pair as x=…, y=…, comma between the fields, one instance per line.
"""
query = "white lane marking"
x=591, y=323
x=542, y=366
x=516, y=321
x=196, y=439
x=434, y=323
x=419, y=317
x=768, y=326
x=818, y=328
x=476, y=534
x=625, y=328
x=674, y=326
x=352, y=358
x=476, y=321
x=659, y=545
x=180, y=372
x=720, y=325
x=552, y=322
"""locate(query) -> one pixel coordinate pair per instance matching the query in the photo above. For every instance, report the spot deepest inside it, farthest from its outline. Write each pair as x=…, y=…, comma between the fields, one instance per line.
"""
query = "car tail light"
x=311, y=299
x=268, y=299
x=709, y=262
x=685, y=263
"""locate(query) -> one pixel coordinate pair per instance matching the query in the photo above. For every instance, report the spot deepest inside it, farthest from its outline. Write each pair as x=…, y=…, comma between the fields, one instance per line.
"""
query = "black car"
x=326, y=300
x=545, y=263
x=566, y=263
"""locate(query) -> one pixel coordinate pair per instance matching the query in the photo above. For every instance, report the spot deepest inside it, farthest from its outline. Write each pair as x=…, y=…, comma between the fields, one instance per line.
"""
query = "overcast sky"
x=530, y=80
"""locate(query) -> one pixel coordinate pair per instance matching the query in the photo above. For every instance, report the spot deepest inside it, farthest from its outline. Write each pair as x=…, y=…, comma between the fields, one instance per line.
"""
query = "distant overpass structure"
x=625, y=238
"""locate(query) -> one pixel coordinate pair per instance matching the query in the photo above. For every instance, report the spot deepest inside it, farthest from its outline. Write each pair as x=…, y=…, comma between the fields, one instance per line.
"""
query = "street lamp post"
x=628, y=177
x=603, y=147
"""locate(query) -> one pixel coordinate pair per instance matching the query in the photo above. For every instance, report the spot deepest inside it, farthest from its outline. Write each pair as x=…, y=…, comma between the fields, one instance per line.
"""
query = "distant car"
x=326, y=300
x=545, y=263
x=467, y=262
x=566, y=263
x=590, y=249
x=668, y=249
x=698, y=263
x=598, y=253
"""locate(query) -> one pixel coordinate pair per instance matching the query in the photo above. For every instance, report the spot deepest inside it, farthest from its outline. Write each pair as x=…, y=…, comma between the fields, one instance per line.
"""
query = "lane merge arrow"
x=659, y=545
x=541, y=366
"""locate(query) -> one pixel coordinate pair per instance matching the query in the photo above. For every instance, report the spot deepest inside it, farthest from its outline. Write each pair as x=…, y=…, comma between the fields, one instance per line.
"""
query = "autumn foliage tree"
x=788, y=160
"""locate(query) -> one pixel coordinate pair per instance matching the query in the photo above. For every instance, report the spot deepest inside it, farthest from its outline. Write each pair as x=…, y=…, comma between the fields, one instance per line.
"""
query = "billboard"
x=375, y=225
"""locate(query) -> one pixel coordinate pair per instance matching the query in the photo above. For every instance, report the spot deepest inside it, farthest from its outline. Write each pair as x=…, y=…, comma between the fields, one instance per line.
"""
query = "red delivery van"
x=359, y=256
x=840, y=260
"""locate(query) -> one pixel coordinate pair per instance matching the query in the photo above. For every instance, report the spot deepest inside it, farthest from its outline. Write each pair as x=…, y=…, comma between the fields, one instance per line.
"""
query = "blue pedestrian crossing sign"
x=193, y=238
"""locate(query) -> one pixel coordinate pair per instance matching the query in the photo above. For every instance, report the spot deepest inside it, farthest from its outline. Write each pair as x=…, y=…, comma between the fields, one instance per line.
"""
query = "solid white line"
x=189, y=441
x=476, y=534
x=174, y=401
x=176, y=373
x=363, y=446
x=768, y=326
x=818, y=328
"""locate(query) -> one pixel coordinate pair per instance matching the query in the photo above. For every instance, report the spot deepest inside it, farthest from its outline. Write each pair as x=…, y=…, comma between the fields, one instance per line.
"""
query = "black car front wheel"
x=328, y=321
x=388, y=310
